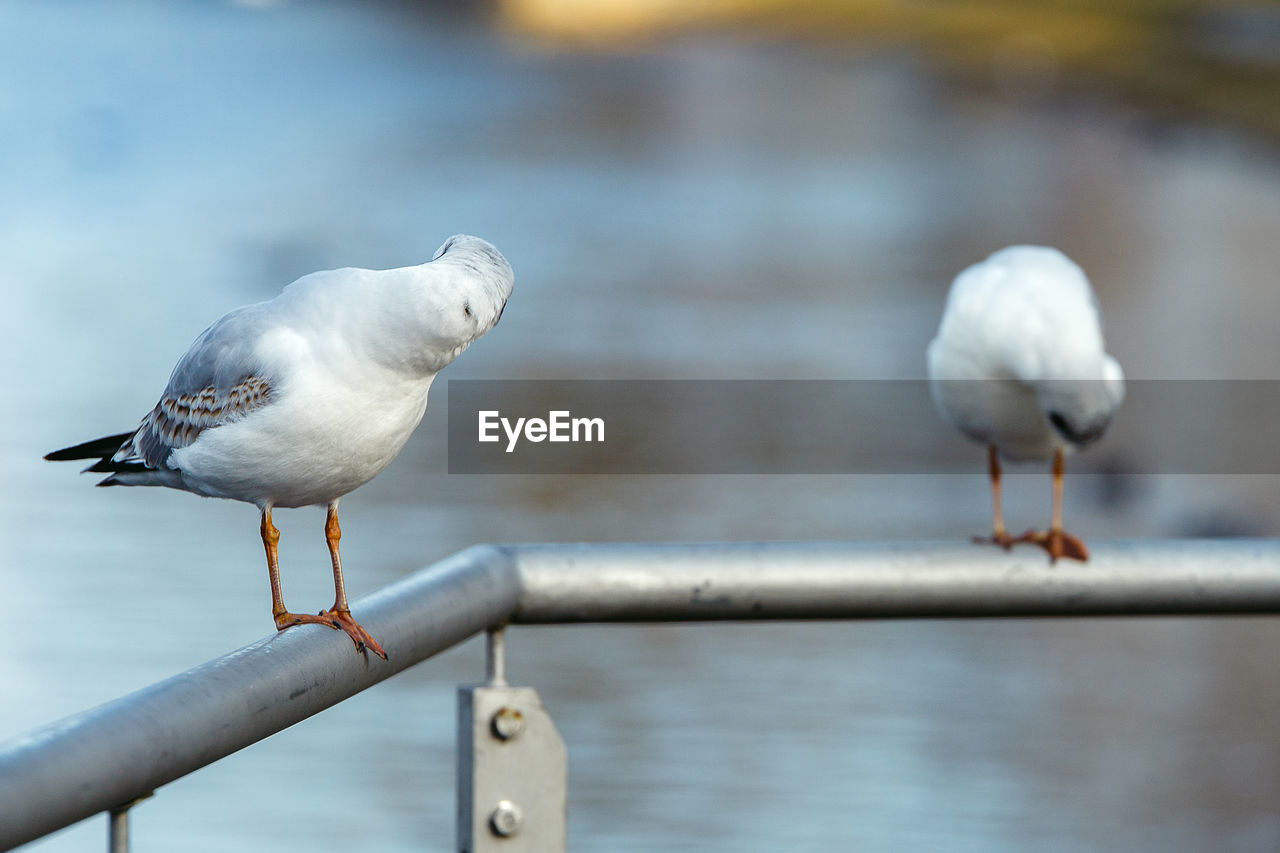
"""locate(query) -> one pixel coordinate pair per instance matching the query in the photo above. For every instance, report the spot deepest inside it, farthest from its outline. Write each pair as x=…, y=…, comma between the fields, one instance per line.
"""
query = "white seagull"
x=301, y=399
x=1019, y=365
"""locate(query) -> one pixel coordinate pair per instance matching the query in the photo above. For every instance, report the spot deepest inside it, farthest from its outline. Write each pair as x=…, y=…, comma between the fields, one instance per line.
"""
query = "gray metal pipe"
x=112, y=754
x=656, y=583
x=121, y=750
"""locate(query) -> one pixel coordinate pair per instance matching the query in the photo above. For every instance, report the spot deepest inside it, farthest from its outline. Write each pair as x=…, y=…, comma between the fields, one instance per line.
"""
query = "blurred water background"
x=733, y=201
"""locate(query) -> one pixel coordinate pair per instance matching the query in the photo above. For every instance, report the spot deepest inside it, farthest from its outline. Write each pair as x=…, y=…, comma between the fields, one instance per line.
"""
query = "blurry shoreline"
x=1176, y=61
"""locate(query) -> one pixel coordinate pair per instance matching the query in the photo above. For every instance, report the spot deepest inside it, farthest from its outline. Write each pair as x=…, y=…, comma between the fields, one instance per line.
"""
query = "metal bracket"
x=512, y=768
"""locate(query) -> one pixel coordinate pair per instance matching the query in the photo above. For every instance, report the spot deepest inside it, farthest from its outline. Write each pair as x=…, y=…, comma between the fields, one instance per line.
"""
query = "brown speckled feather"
x=176, y=421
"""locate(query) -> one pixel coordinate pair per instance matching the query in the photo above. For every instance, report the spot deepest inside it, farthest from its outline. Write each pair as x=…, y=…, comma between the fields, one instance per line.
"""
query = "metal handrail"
x=106, y=757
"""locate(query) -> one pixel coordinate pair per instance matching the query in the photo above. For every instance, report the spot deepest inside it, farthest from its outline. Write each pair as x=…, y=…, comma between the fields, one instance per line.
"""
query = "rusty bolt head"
x=506, y=819
x=507, y=722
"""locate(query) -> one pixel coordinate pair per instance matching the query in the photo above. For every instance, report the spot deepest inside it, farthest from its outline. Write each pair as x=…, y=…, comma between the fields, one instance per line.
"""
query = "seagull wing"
x=218, y=381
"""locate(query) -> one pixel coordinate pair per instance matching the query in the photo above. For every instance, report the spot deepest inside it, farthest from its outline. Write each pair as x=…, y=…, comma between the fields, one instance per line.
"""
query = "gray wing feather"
x=223, y=354
x=218, y=381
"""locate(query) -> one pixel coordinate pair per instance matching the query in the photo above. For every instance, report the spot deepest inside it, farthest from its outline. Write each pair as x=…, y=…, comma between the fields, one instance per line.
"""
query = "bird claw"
x=1058, y=543
x=1000, y=538
x=339, y=620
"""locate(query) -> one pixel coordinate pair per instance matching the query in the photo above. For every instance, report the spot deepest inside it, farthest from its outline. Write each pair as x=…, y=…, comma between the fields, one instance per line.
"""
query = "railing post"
x=118, y=830
x=495, y=657
x=512, y=767
x=118, y=826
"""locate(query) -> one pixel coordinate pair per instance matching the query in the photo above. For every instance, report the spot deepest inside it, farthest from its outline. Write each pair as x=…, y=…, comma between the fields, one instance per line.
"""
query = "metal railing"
x=108, y=757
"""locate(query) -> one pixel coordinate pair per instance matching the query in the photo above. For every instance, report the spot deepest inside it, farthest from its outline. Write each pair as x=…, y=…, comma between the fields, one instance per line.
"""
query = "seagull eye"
x=466, y=309
x=1060, y=424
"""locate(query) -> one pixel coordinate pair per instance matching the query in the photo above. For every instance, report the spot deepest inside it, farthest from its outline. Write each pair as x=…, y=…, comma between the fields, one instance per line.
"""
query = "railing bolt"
x=506, y=820
x=507, y=722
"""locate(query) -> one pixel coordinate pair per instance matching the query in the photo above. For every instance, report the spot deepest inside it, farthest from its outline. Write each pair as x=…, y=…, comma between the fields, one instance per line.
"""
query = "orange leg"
x=338, y=618
x=998, y=534
x=1055, y=540
x=339, y=613
x=271, y=541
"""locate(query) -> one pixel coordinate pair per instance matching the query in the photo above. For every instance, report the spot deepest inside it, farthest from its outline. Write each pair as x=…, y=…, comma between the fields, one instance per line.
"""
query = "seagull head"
x=490, y=279
x=469, y=282
x=1080, y=410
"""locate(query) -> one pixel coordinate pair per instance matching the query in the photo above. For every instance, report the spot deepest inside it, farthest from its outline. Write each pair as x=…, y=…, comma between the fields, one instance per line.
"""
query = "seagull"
x=298, y=400
x=1020, y=366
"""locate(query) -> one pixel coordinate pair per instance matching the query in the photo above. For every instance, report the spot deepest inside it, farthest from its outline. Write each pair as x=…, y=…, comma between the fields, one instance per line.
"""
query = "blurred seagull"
x=298, y=400
x=1019, y=365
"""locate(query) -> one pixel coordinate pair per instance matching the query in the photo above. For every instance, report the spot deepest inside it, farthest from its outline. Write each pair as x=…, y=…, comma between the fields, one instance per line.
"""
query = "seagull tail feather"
x=100, y=448
x=137, y=474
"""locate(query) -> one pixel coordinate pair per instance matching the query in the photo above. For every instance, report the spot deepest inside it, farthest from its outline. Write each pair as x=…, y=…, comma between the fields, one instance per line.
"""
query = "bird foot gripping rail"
x=511, y=762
